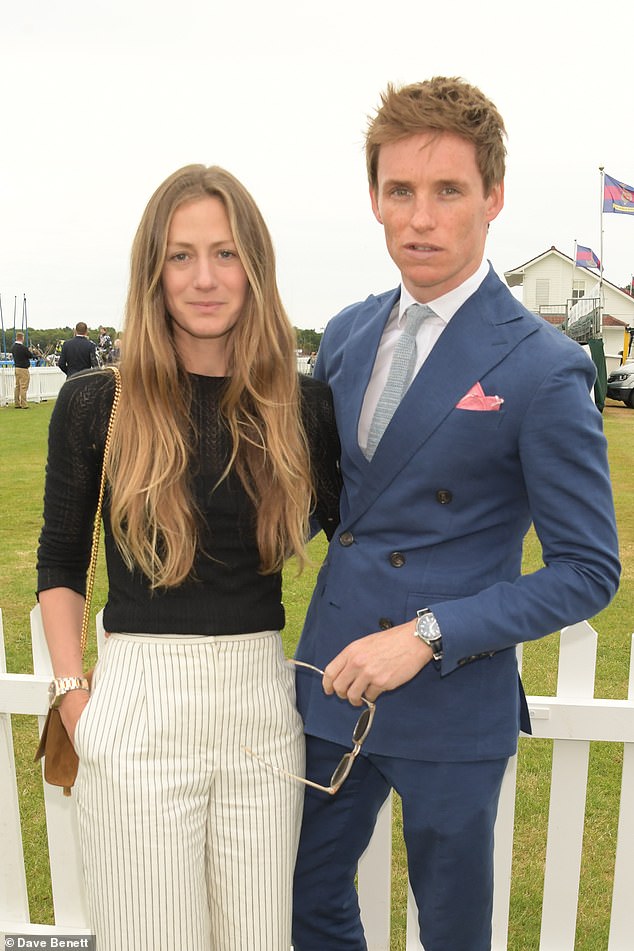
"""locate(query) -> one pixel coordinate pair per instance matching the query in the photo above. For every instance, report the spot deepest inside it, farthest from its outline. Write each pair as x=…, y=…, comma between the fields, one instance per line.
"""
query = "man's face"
x=430, y=200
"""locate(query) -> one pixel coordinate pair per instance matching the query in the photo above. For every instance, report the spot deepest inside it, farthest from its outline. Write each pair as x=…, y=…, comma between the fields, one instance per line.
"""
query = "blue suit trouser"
x=449, y=812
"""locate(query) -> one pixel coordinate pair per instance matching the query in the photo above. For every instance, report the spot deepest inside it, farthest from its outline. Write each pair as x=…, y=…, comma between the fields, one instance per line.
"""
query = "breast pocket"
x=475, y=428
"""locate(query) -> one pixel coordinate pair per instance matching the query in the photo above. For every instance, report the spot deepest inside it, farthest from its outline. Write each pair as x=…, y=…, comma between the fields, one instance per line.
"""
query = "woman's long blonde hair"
x=153, y=515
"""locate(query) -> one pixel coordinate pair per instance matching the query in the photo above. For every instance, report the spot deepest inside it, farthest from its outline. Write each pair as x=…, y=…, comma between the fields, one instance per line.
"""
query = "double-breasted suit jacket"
x=437, y=519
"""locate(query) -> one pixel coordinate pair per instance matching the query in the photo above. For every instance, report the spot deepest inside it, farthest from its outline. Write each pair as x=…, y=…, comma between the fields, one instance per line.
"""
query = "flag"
x=617, y=197
x=586, y=257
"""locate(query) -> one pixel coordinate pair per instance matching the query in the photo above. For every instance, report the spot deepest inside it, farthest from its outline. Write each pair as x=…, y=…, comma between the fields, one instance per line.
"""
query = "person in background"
x=219, y=456
x=463, y=418
x=22, y=357
x=104, y=347
x=105, y=340
x=79, y=353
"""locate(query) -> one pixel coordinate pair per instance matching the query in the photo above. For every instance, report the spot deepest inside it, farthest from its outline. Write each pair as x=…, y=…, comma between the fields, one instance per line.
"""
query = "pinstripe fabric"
x=187, y=841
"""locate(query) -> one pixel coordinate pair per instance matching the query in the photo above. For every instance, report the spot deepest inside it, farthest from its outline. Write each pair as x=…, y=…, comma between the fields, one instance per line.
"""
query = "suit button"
x=346, y=539
x=385, y=623
x=397, y=559
x=443, y=496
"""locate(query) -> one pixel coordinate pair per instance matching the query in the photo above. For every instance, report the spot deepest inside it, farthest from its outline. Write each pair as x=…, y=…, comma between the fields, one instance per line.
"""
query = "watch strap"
x=60, y=686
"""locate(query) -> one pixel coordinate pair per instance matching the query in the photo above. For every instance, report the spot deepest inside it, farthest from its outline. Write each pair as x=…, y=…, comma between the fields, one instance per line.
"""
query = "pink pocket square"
x=476, y=400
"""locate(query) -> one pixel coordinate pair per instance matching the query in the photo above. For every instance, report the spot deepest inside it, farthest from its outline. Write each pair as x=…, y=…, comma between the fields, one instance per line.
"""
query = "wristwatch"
x=428, y=630
x=59, y=687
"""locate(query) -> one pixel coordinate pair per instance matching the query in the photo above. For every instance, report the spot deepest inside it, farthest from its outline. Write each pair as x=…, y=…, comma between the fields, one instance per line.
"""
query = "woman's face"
x=204, y=284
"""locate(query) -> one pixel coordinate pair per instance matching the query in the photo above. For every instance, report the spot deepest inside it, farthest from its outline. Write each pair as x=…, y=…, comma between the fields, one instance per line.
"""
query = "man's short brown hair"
x=440, y=104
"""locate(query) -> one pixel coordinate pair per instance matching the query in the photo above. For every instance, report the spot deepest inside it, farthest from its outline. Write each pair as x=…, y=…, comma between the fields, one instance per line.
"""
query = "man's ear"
x=375, y=205
x=495, y=201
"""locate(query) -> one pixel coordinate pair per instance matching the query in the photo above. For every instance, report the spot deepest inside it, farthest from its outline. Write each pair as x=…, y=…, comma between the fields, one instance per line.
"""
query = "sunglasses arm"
x=331, y=790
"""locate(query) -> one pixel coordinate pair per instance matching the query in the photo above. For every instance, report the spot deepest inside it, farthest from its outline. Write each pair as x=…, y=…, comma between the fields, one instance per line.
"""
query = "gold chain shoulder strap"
x=92, y=567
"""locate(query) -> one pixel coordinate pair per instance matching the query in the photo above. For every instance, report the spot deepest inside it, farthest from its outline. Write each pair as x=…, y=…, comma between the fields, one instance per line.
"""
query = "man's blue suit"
x=437, y=519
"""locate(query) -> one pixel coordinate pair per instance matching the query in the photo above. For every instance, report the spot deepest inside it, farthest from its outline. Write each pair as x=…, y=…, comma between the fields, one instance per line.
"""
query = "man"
x=105, y=345
x=421, y=601
x=22, y=357
x=79, y=353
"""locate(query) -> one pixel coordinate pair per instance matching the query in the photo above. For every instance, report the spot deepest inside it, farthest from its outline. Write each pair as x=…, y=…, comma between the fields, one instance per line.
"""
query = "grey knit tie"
x=399, y=376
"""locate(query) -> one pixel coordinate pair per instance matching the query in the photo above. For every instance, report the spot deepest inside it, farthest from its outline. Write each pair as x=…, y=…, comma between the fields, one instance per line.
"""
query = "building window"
x=578, y=289
x=542, y=291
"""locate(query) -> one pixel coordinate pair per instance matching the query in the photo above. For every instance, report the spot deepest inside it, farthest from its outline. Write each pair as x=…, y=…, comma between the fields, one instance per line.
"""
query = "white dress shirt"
x=431, y=328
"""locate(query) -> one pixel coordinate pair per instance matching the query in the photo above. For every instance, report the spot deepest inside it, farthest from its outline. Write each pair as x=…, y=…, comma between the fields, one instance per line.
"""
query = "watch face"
x=427, y=628
x=52, y=693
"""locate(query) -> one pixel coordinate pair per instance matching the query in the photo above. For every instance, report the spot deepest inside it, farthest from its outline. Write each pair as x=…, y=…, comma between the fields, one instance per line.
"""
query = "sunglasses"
x=343, y=768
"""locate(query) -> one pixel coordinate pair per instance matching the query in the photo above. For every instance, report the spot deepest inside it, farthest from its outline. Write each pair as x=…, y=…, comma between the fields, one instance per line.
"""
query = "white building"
x=551, y=283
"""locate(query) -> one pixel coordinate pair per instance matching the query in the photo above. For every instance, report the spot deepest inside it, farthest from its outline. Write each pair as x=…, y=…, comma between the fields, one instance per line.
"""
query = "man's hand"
x=375, y=663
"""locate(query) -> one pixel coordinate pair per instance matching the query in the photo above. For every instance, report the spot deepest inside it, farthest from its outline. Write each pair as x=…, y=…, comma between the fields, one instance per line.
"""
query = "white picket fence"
x=573, y=719
x=44, y=384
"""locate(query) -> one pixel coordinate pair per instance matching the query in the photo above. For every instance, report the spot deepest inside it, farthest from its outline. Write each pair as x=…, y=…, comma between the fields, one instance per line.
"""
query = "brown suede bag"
x=55, y=747
x=60, y=759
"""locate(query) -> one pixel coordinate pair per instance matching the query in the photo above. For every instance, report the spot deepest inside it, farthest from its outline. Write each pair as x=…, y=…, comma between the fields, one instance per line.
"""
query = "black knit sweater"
x=226, y=594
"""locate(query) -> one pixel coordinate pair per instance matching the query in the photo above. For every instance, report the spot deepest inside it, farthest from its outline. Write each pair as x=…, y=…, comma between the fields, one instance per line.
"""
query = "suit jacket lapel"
x=358, y=362
x=481, y=333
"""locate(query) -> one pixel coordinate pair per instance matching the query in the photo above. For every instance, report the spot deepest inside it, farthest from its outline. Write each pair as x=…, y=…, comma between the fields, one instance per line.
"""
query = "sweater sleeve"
x=75, y=453
x=325, y=451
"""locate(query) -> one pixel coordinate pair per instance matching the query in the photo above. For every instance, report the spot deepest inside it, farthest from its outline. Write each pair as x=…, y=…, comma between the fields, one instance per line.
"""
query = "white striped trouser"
x=188, y=843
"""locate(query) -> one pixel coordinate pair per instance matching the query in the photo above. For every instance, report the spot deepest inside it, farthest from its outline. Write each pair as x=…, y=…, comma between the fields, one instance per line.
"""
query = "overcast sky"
x=101, y=101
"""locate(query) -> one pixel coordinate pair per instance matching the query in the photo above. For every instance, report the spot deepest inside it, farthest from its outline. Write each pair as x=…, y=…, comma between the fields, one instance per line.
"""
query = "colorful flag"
x=617, y=197
x=586, y=257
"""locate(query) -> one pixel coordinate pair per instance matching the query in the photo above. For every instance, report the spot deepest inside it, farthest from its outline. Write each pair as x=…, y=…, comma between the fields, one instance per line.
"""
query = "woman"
x=218, y=455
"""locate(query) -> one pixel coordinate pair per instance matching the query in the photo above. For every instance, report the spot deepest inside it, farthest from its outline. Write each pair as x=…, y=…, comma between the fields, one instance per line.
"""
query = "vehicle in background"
x=621, y=384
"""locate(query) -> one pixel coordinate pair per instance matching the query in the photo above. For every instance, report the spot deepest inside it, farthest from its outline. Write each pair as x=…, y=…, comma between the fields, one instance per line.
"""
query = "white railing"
x=573, y=719
x=44, y=384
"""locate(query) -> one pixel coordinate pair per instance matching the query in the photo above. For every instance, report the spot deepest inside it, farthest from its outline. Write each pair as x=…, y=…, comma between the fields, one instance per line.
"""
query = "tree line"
x=47, y=340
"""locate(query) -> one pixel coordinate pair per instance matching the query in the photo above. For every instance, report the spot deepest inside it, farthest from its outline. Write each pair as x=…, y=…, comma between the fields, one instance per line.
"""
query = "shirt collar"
x=447, y=304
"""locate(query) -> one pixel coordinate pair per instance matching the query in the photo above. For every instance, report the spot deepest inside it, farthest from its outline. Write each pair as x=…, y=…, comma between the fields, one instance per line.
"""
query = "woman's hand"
x=71, y=708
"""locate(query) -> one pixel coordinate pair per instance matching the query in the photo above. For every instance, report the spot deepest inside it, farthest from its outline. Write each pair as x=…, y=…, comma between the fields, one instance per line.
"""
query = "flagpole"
x=574, y=268
x=602, y=171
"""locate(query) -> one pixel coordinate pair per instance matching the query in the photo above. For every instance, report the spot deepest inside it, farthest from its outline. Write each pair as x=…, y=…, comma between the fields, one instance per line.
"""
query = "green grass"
x=23, y=453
